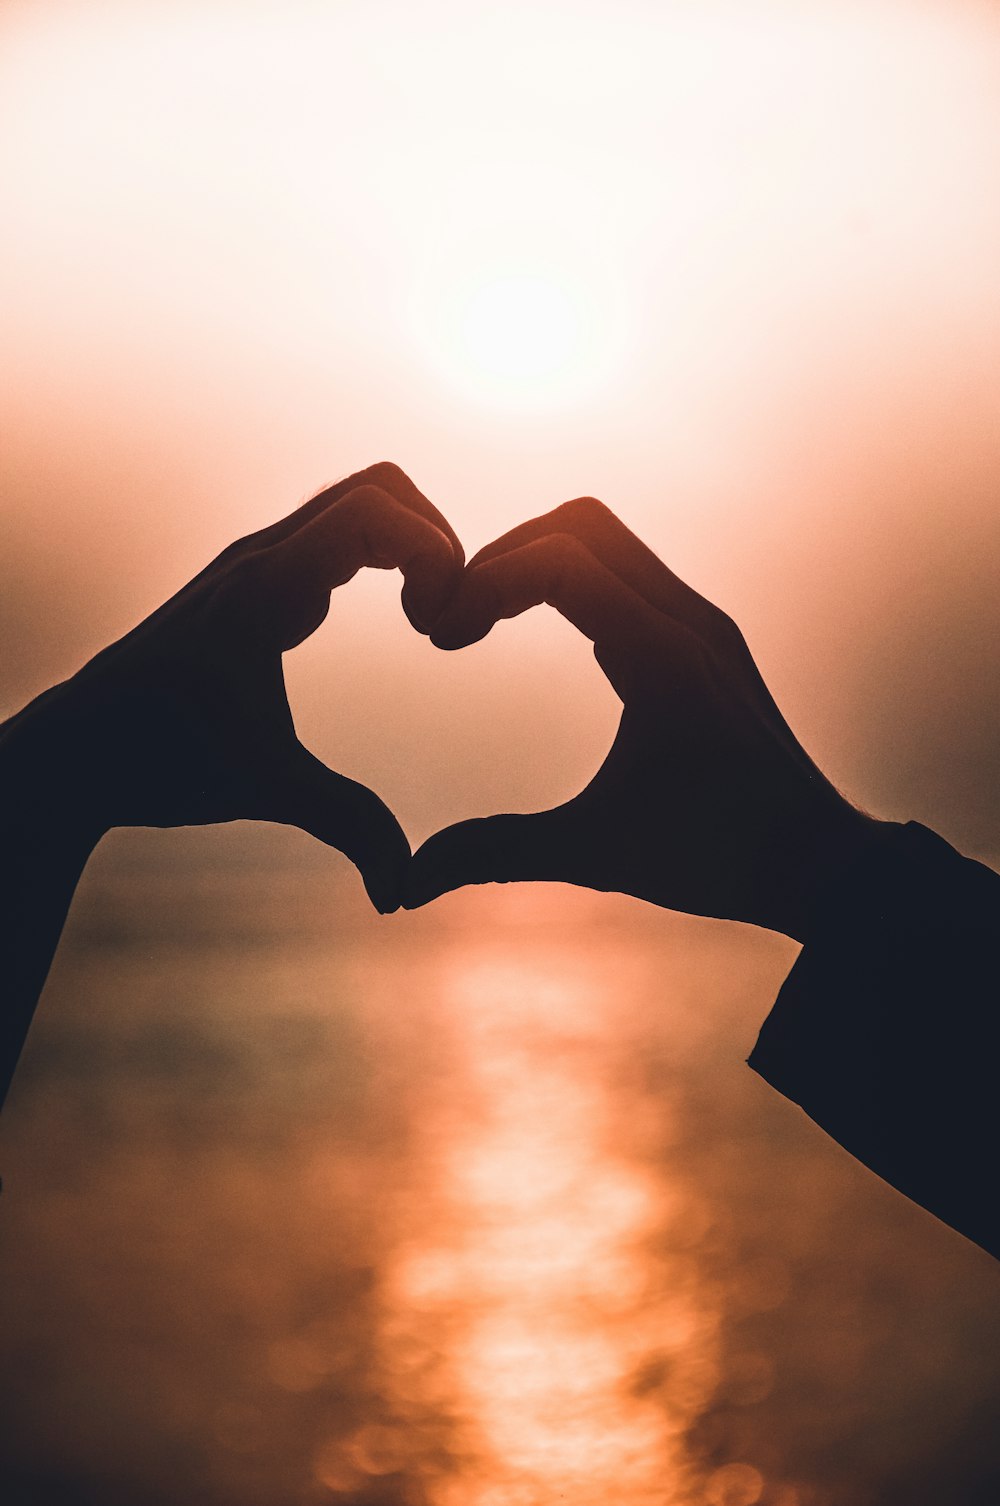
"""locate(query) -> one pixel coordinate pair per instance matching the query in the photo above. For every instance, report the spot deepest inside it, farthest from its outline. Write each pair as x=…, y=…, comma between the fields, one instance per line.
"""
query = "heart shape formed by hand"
x=516, y=722
x=706, y=802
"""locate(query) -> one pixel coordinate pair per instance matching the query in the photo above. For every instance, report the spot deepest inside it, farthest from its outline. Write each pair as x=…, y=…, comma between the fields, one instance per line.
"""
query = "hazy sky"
x=731, y=267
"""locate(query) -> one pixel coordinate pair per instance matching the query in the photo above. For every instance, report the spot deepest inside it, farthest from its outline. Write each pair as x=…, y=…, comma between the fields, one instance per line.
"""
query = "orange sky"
x=250, y=247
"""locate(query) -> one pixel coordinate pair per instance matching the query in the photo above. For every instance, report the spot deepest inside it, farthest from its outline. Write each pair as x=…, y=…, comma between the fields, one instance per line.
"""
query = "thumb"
x=490, y=850
x=351, y=817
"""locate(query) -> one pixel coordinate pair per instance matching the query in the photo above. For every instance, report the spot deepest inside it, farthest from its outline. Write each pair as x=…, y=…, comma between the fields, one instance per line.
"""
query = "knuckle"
x=563, y=546
x=238, y=550
x=247, y=571
x=585, y=511
x=385, y=474
x=566, y=555
x=364, y=502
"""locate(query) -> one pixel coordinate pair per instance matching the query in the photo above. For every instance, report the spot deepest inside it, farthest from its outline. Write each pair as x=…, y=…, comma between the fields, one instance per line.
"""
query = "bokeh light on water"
x=534, y=1252
x=474, y=1207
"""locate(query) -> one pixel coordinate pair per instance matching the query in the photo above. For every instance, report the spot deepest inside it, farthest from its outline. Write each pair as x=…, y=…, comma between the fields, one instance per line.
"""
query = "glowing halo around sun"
x=520, y=338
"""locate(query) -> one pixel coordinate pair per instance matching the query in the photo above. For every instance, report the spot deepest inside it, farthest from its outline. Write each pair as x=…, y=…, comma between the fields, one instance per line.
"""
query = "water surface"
x=474, y=1207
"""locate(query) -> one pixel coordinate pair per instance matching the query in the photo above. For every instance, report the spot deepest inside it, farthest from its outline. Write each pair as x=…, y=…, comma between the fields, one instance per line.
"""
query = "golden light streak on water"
x=531, y=1299
x=470, y=1209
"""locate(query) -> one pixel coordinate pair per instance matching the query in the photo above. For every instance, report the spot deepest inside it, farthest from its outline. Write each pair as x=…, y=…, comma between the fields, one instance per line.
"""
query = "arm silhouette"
x=707, y=803
x=185, y=720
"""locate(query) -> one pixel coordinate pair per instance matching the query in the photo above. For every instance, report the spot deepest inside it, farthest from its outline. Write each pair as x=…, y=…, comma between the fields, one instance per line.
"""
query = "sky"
x=729, y=268
x=732, y=268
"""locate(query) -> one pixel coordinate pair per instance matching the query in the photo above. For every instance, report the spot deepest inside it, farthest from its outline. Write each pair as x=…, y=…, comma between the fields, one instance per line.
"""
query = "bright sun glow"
x=517, y=336
x=522, y=329
x=554, y=206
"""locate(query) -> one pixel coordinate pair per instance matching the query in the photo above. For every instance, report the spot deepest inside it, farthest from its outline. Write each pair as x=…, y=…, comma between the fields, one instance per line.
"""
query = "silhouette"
x=185, y=720
x=706, y=803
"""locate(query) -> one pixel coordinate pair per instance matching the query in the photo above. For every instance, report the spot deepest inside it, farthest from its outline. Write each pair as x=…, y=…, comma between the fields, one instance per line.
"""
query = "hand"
x=185, y=720
x=706, y=802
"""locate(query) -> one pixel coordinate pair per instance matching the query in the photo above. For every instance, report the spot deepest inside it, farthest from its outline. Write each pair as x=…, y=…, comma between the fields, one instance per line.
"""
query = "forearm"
x=47, y=832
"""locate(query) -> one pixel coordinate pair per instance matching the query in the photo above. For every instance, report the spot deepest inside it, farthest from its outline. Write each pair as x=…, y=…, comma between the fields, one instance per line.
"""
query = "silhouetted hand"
x=706, y=802
x=185, y=720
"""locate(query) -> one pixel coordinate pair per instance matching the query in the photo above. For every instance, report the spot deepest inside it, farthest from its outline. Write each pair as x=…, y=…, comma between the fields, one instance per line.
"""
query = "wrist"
x=824, y=853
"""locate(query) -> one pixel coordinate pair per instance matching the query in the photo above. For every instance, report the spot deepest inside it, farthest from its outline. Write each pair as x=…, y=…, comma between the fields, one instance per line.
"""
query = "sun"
x=518, y=337
x=522, y=330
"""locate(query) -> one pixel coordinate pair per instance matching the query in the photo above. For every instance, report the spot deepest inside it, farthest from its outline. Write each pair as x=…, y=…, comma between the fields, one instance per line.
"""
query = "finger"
x=366, y=527
x=350, y=817
x=493, y=850
x=561, y=572
x=620, y=551
x=387, y=477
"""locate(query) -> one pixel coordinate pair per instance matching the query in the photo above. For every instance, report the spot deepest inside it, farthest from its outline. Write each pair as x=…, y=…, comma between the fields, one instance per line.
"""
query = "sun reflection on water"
x=532, y=1298
x=475, y=1211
